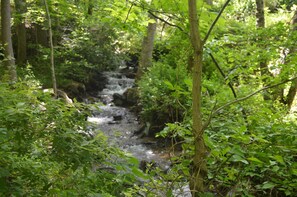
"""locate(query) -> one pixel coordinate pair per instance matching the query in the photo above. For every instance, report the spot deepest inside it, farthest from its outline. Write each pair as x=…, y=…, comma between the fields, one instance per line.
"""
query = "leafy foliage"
x=87, y=50
x=258, y=163
x=45, y=149
x=251, y=151
x=163, y=90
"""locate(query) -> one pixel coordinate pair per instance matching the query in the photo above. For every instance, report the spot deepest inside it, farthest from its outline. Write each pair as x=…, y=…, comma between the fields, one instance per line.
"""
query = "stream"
x=119, y=124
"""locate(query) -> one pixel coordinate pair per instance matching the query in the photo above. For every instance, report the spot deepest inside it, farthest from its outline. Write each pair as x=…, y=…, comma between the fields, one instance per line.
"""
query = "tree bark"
x=146, y=55
x=260, y=18
x=199, y=170
x=21, y=33
x=0, y=26
x=260, y=23
x=54, y=81
x=9, y=61
x=293, y=88
x=292, y=93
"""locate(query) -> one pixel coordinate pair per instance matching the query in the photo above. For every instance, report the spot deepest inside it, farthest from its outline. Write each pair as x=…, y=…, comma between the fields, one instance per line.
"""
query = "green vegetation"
x=248, y=103
x=46, y=151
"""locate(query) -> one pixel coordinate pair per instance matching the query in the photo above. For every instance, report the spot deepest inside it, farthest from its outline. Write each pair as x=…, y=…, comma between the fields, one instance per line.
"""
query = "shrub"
x=164, y=94
x=45, y=151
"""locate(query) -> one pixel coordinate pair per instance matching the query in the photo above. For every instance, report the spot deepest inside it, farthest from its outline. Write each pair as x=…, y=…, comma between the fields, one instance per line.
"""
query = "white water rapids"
x=119, y=125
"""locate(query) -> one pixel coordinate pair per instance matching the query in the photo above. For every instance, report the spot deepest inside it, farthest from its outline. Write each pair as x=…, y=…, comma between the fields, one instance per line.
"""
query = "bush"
x=254, y=159
x=45, y=151
x=79, y=55
x=164, y=94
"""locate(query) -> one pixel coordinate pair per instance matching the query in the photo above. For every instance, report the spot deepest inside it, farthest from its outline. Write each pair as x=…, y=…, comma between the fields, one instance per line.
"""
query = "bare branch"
x=205, y=125
x=132, y=4
x=244, y=114
x=215, y=21
x=252, y=94
x=152, y=12
x=166, y=22
x=223, y=74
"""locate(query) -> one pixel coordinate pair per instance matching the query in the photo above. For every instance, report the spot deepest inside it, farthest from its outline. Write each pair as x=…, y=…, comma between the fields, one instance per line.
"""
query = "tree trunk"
x=260, y=23
x=293, y=88
x=260, y=18
x=199, y=160
x=0, y=26
x=146, y=55
x=21, y=33
x=9, y=61
x=54, y=81
x=292, y=93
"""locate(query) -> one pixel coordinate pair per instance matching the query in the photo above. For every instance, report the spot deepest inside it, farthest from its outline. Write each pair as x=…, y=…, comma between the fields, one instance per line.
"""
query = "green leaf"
x=137, y=172
x=134, y=161
x=268, y=185
x=278, y=158
x=254, y=159
x=239, y=158
x=169, y=85
x=294, y=171
x=275, y=168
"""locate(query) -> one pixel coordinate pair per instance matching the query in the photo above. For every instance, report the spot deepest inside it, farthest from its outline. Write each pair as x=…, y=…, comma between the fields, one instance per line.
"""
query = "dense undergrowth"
x=251, y=154
x=251, y=144
x=45, y=149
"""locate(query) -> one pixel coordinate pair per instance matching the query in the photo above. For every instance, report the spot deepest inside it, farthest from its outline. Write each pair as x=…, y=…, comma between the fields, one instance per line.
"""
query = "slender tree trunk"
x=21, y=33
x=293, y=88
x=146, y=55
x=0, y=26
x=260, y=18
x=292, y=93
x=52, y=48
x=199, y=160
x=9, y=61
x=260, y=23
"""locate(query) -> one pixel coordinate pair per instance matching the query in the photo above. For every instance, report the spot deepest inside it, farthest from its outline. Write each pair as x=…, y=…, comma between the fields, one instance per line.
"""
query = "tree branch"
x=215, y=21
x=244, y=114
x=151, y=12
x=132, y=4
x=166, y=22
x=252, y=94
x=223, y=74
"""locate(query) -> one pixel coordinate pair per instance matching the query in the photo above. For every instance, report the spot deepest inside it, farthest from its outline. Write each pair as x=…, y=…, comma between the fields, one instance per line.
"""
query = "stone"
x=131, y=96
x=117, y=118
x=75, y=90
x=118, y=99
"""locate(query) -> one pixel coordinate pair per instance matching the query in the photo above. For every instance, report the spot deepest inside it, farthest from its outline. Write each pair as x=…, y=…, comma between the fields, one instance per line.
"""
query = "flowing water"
x=119, y=125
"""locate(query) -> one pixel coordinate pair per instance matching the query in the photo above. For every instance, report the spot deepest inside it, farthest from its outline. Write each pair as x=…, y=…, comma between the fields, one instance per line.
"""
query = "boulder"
x=131, y=96
x=117, y=117
x=75, y=90
x=118, y=99
x=96, y=83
